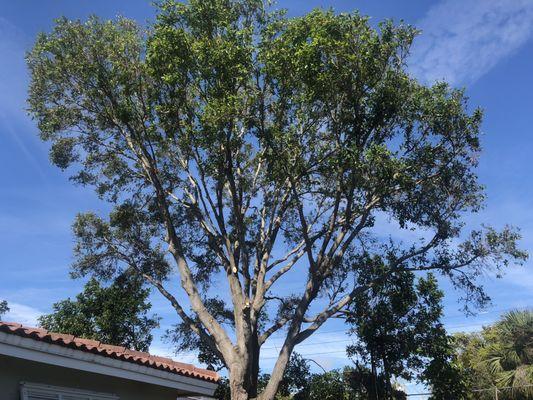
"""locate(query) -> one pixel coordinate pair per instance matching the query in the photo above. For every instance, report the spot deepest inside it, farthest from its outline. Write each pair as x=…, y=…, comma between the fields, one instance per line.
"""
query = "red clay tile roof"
x=107, y=350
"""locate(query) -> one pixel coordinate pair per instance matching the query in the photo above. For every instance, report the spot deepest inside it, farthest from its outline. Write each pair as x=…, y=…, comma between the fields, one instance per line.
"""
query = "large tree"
x=241, y=149
x=114, y=314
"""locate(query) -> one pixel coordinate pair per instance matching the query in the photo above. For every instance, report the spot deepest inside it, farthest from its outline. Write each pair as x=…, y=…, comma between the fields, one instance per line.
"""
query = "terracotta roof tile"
x=134, y=353
x=89, y=343
x=56, y=337
x=107, y=350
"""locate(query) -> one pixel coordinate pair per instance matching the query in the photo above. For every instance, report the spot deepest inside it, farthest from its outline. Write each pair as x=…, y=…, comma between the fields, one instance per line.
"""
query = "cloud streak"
x=22, y=314
x=463, y=39
x=16, y=128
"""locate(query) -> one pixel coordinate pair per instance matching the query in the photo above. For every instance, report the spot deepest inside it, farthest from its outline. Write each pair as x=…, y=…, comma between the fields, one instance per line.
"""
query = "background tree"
x=398, y=331
x=240, y=149
x=467, y=348
x=331, y=385
x=117, y=314
x=445, y=377
x=295, y=382
x=511, y=357
x=349, y=384
x=500, y=356
x=4, y=308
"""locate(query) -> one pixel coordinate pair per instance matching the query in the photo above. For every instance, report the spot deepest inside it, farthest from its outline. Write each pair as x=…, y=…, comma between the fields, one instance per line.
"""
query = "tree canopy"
x=241, y=149
x=116, y=314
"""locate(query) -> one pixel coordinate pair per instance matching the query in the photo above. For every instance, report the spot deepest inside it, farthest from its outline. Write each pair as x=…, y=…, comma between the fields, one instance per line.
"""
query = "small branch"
x=274, y=328
x=287, y=256
x=286, y=268
x=322, y=317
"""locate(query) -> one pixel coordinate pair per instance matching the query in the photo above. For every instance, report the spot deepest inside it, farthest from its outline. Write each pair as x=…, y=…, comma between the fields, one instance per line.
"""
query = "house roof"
x=107, y=350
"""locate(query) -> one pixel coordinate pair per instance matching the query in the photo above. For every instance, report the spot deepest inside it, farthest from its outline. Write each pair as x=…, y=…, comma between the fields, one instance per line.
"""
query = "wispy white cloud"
x=13, y=72
x=522, y=277
x=14, y=124
x=22, y=314
x=463, y=39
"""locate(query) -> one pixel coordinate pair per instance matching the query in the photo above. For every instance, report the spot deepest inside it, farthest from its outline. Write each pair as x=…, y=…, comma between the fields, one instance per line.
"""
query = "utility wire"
x=347, y=340
x=309, y=354
x=492, y=389
x=344, y=330
x=448, y=327
x=474, y=325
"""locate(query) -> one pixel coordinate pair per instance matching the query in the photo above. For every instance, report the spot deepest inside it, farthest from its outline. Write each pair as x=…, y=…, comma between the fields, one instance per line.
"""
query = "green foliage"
x=444, y=374
x=348, y=384
x=187, y=91
x=501, y=356
x=4, y=308
x=329, y=386
x=372, y=386
x=117, y=314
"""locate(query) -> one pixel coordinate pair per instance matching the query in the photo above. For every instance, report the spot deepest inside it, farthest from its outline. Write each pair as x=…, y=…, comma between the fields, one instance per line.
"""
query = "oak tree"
x=241, y=149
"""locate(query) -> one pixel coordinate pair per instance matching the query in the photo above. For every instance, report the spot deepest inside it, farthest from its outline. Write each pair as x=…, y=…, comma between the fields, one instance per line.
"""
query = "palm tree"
x=509, y=354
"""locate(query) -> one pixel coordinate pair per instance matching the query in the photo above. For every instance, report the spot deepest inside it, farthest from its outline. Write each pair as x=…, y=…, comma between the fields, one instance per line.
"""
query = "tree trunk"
x=238, y=392
x=243, y=373
x=388, y=383
x=374, y=395
x=237, y=381
x=253, y=369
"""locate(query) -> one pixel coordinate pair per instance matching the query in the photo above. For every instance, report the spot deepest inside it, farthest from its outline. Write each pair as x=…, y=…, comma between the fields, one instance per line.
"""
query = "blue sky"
x=484, y=45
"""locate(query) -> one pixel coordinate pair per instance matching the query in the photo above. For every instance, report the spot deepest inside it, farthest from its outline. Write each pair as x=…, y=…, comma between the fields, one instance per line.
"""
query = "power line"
x=471, y=325
x=310, y=354
x=500, y=310
x=327, y=342
x=344, y=330
x=503, y=388
x=311, y=344
x=492, y=389
x=346, y=340
x=351, y=339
